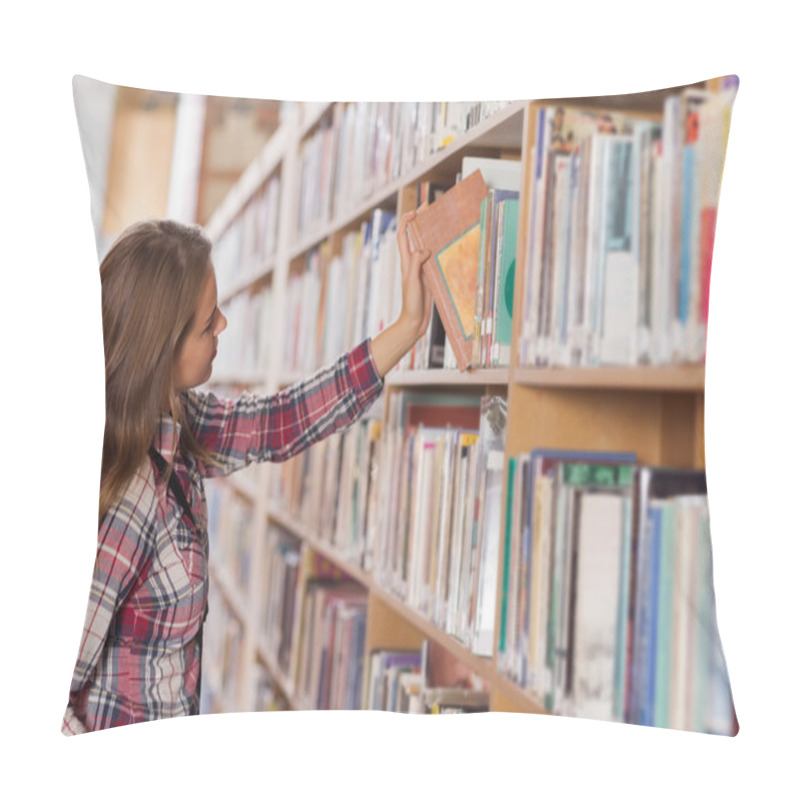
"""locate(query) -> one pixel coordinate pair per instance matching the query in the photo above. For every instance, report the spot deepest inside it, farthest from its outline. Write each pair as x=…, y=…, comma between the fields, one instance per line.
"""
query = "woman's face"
x=193, y=365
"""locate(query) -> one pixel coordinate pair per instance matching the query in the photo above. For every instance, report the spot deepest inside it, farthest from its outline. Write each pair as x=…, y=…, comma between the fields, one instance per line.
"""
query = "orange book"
x=450, y=230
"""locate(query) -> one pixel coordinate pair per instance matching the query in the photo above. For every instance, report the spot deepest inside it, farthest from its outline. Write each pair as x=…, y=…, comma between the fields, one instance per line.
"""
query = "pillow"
x=558, y=563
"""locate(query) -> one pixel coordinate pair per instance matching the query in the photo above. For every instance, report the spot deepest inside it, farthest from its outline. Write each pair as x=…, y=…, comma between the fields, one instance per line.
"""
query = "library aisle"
x=527, y=532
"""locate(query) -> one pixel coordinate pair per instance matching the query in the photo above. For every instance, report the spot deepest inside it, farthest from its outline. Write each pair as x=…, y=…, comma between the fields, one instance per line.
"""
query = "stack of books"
x=437, y=521
x=607, y=608
x=620, y=233
x=341, y=298
x=425, y=681
x=332, y=630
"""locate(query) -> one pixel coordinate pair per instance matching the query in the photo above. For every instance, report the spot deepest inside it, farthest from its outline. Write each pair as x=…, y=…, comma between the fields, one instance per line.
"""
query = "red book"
x=450, y=230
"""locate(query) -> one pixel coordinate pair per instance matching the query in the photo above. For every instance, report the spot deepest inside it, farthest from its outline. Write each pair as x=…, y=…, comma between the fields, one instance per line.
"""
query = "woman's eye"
x=210, y=326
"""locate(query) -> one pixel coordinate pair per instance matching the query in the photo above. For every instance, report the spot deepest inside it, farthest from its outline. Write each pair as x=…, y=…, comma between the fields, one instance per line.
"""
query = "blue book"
x=663, y=667
x=409, y=660
x=357, y=662
x=641, y=571
x=650, y=632
x=564, y=454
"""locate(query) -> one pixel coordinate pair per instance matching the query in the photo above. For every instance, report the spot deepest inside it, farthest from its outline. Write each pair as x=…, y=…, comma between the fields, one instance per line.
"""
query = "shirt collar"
x=167, y=434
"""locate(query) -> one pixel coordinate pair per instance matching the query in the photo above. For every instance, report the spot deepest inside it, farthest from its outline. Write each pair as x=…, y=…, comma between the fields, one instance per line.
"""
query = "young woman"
x=140, y=652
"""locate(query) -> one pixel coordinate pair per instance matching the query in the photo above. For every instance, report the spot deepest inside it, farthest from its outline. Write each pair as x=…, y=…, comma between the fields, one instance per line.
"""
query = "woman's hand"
x=417, y=298
x=392, y=343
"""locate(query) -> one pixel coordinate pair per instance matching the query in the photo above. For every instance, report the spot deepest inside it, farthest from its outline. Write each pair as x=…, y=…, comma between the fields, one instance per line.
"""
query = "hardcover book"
x=450, y=230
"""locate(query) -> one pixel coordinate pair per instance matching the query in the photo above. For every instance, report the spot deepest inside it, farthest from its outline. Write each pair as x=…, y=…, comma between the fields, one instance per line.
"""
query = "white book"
x=575, y=330
x=618, y=274
x=457, y=541
x=444, y=527
x=620, y=294
x=483, y=638
x=557, y=266
x=497, y=173
x=463, y=630
x=418, y=538
x=599, y=541
x=538, y=154
x=595, y=245
x=543, y=548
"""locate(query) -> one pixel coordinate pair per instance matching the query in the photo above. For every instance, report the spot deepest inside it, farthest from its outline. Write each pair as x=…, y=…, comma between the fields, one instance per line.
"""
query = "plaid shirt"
x=139, y=656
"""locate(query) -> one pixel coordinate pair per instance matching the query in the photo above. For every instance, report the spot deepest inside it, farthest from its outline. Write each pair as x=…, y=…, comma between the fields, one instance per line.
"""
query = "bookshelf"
x=326, y=208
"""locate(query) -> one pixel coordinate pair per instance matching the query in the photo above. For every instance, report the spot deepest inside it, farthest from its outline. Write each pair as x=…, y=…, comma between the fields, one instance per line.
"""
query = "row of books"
x=621, y=230
x=425, y=681
x=437, y=519
x=607, y=605
x=330, y=487
x=223, y=636
x=356, y=290
x=244, y=347
x=360, y=147
x=315, y=196
x=269, y=696
x=322, y=615
x=251, y=239
x=313, y=627
x=417, y=505
x=494, y=300
x=421, y=129
x=230, y=522
x=312, y=624
x=333, y=622
x=279, y=580
x=341, y=298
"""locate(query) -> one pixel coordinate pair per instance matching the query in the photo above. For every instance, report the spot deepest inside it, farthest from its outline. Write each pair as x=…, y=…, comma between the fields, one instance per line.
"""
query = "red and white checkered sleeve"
x=253, y=428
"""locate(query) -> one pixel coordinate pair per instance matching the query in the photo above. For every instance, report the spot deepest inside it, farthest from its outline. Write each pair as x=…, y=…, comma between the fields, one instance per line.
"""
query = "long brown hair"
x=151, y=281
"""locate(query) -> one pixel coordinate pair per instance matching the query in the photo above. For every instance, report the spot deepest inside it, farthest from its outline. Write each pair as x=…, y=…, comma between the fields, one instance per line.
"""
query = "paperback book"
x=450, y=230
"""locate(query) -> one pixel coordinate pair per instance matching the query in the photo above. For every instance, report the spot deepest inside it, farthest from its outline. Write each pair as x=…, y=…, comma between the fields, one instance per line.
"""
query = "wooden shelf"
x=678, y=378
x=305, y=534
x=501, y=131
x=448, y=377
x=382, y=198
x=246, y=281
x=229, y=593
x=264, y=165
x=479, y=665
x=285, y=685
x=311, y=116
x=521, y=699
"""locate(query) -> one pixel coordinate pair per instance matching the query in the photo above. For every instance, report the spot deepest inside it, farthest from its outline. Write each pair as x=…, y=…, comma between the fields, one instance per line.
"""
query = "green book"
x=505, y=295
x=501, y=642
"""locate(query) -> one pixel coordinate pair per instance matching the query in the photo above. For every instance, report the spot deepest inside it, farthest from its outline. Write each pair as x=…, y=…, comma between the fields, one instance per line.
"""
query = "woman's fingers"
x=403, y=241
